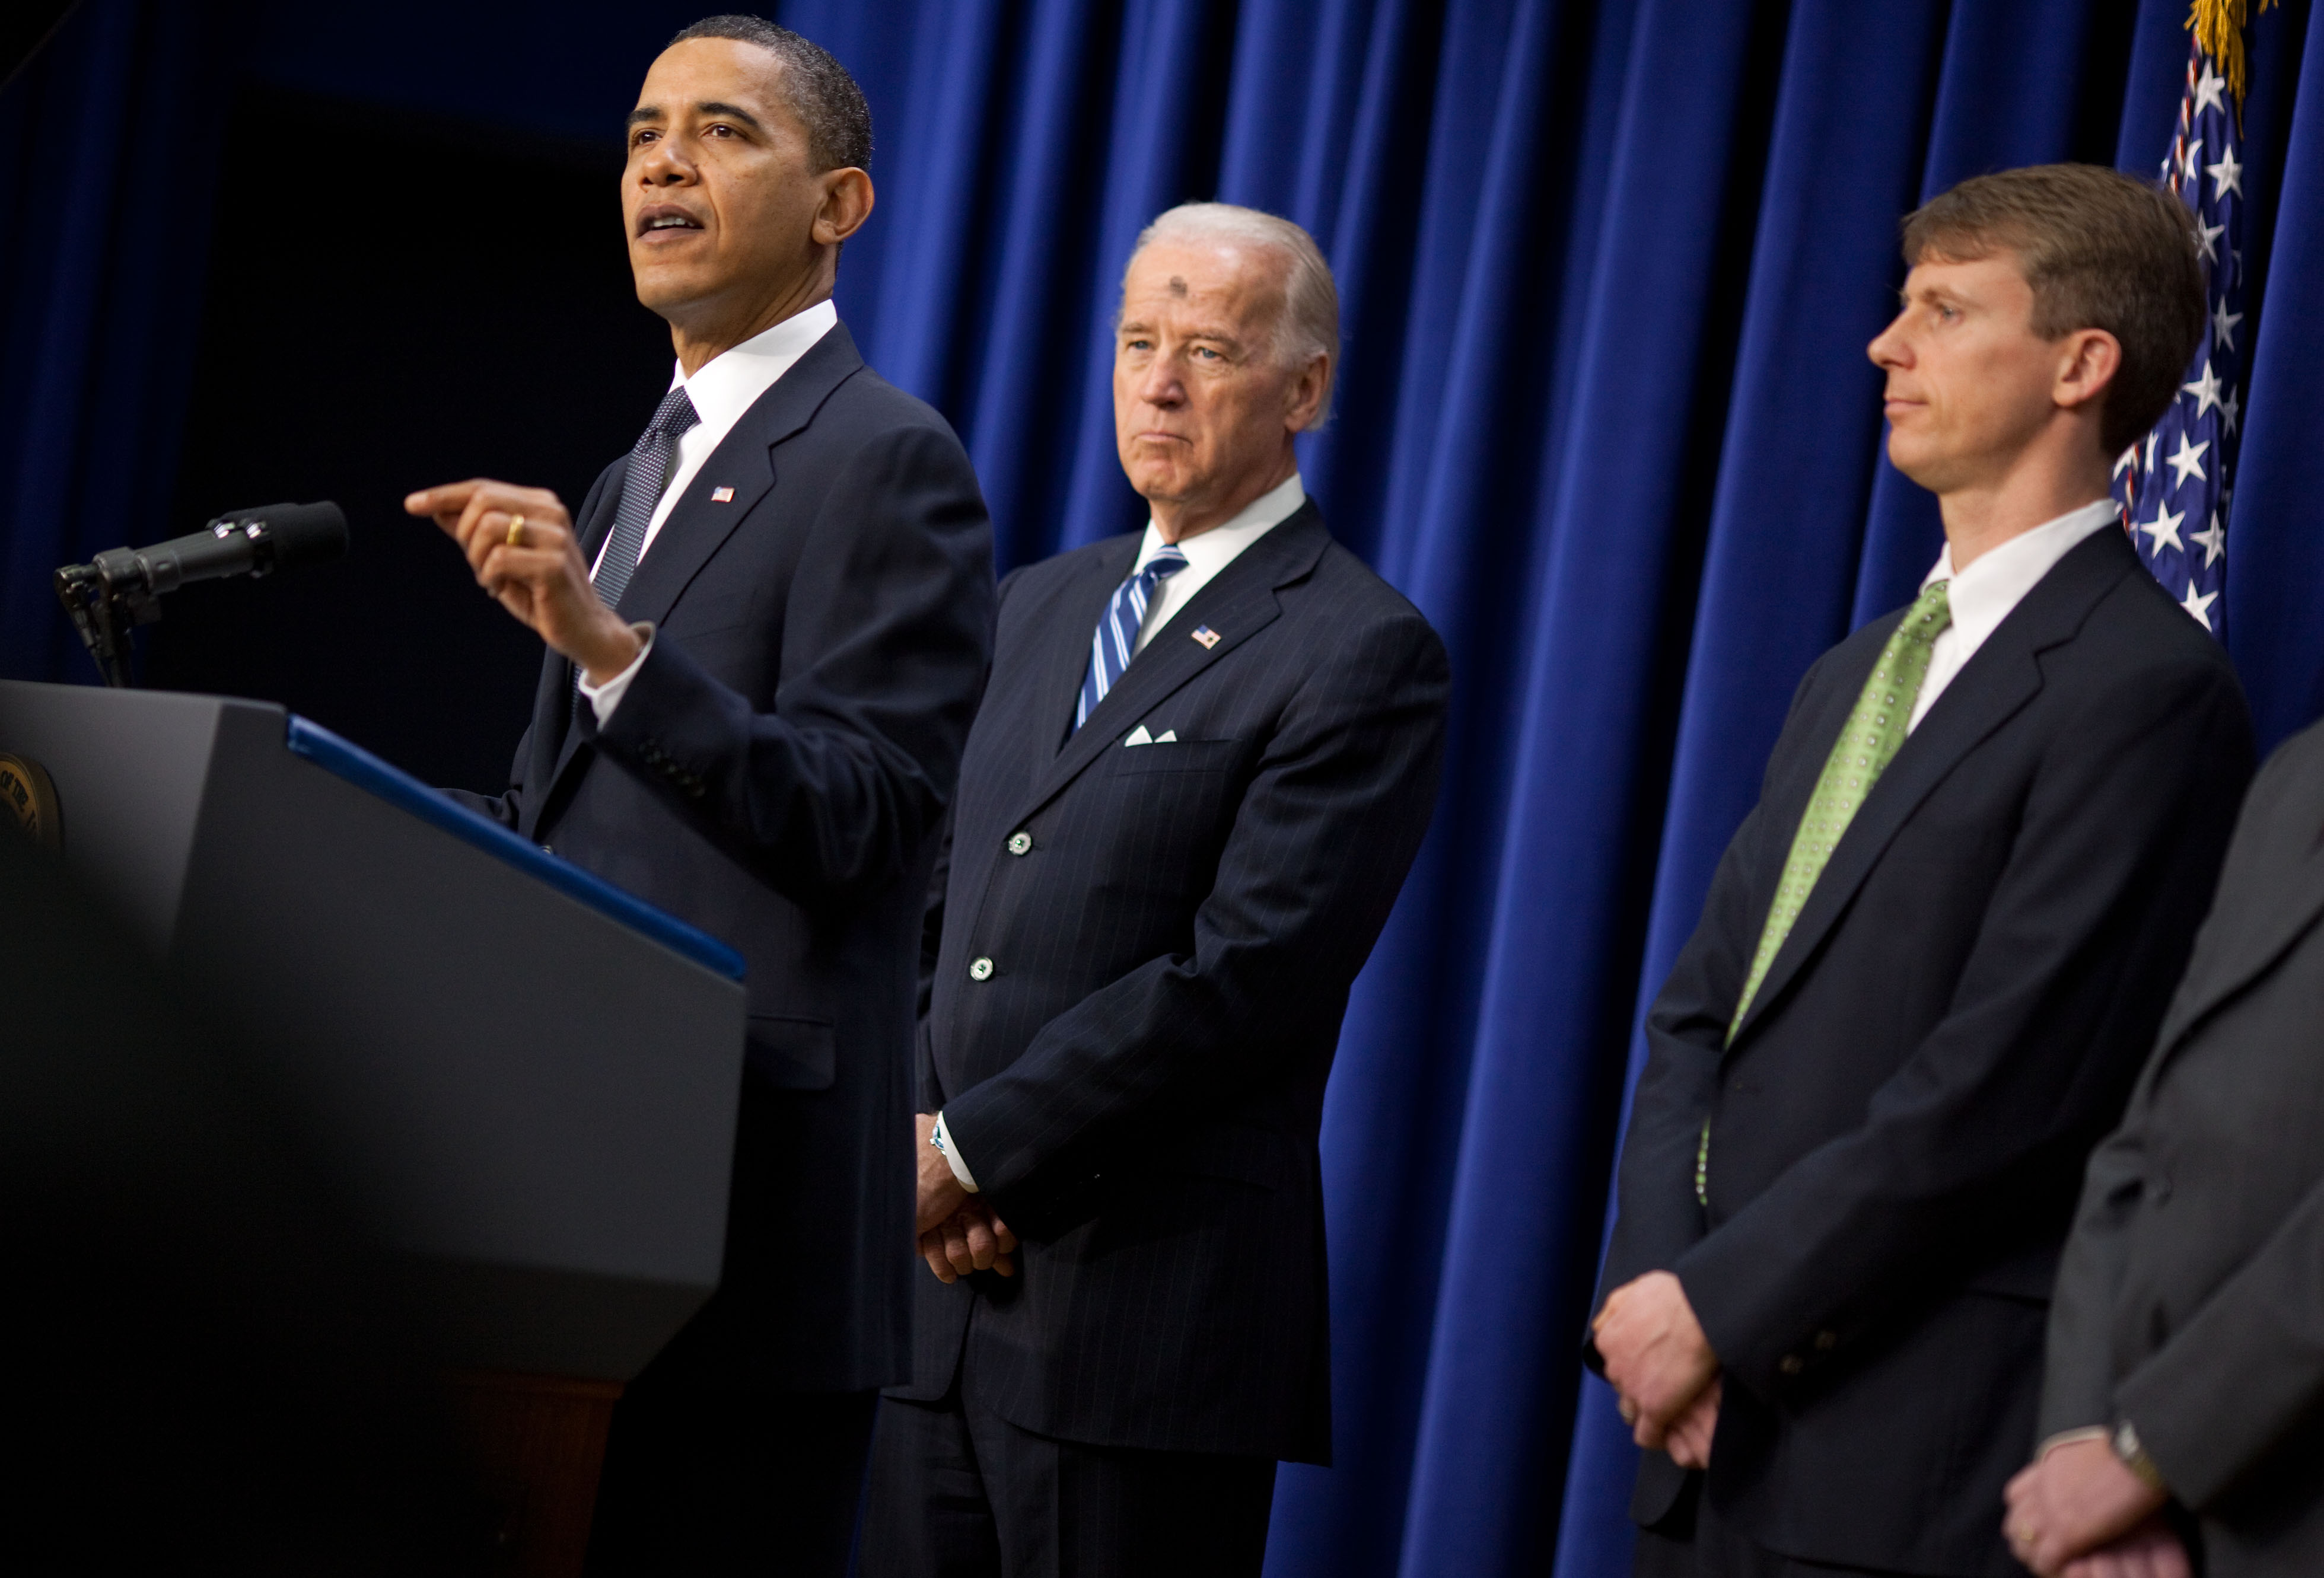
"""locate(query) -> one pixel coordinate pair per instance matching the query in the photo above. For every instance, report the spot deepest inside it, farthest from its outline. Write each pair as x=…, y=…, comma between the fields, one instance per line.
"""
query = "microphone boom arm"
x=121, y=588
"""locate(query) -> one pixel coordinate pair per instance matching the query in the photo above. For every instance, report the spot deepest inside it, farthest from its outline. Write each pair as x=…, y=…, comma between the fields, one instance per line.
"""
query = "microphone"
x=121, y=588
x=240, y=542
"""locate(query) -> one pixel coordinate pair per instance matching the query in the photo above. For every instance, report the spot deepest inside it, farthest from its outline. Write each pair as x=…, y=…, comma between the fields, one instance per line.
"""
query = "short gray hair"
x=1308, y=325
x=815, y=88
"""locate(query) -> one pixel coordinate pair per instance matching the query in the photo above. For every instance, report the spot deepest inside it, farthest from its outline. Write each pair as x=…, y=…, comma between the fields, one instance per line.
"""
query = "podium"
x=527, y=1077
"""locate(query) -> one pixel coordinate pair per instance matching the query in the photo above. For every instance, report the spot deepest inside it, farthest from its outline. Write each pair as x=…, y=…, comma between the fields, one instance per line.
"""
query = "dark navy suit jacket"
x=1136, y=1075
x=1898, y=1132
x=777, y=773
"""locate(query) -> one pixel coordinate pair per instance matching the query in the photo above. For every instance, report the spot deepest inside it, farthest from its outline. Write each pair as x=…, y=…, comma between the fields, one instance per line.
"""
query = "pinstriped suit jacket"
x=1136, y=1074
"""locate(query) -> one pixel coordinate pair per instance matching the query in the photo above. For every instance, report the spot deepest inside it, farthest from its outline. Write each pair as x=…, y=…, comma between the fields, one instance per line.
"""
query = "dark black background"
x=397, y=300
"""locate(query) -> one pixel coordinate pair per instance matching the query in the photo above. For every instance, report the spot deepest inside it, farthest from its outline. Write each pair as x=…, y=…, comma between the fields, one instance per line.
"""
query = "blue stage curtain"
x=1608, y=269
x=111, y=137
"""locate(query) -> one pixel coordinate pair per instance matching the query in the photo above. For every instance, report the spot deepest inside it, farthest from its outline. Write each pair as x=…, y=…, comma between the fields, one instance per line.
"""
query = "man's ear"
x=847, y=199
x=1306, y=397
x=2086, y=364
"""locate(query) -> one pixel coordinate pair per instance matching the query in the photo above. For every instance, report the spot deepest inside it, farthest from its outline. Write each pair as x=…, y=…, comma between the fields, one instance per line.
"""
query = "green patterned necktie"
x=1874, y=730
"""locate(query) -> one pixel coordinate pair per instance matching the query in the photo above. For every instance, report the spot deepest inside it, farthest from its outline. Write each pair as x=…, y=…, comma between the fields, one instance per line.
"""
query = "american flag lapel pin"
x=1206, y=636
x=722, y=495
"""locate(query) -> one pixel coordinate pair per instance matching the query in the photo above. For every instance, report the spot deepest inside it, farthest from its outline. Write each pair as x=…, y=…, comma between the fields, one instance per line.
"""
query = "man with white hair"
x=1205, y=759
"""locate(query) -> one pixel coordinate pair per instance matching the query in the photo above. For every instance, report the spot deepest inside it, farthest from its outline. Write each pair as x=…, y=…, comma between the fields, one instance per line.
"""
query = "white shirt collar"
x=731, y=382
x=1981, y=596
x=1210, y=551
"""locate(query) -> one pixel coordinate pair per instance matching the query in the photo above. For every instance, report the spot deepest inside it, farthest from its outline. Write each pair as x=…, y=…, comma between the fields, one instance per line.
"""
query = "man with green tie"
x=1936, y=952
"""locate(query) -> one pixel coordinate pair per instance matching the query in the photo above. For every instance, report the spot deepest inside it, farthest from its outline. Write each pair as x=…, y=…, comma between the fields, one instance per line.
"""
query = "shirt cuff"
x=602, y=699
x=2069, y=1437
x=942, y=1137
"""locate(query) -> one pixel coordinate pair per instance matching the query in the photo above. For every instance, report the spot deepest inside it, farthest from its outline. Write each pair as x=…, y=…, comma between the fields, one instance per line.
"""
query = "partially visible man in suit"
x=1935, y=952
x=767, y=629
x=2184, y=1395
x=1205, y=762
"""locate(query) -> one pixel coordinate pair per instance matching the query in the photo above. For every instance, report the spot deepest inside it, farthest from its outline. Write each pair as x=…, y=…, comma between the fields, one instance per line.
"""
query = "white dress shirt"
x=722, y=389
x=1210, y=551
x=1207, y=553
x=1997, y=582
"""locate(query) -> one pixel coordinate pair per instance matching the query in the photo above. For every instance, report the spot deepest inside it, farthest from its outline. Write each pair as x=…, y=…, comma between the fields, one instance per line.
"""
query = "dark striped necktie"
x=1115, y=642
x=650, y=463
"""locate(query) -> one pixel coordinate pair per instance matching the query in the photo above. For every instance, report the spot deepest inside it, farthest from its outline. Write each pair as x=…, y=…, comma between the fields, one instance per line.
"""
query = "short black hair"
x=817, y=88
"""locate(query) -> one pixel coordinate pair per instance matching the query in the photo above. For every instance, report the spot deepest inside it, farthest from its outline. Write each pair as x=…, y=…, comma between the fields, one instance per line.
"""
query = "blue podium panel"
x=528, y=1077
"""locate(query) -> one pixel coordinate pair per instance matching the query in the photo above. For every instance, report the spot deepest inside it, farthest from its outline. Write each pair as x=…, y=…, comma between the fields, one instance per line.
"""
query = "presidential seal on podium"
x=29, y=797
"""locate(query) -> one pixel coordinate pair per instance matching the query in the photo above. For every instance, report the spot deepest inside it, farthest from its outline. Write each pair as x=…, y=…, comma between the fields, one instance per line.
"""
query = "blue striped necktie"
x=1115, y=642
x=650, y=463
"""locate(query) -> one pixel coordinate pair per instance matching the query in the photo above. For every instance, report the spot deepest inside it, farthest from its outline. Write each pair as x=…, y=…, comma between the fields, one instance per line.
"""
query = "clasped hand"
x=959, y=1231
x=2079, y=1512
x=520, y=545
x=1662, y=1366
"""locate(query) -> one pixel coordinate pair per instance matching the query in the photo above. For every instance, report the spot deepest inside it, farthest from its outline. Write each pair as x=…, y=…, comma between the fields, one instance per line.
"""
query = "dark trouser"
x=1712, y=1549
x=959, y=1492
x=705, y=1483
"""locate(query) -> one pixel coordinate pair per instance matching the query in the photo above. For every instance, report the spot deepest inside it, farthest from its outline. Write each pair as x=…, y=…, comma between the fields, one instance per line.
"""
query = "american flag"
x=2176, y=483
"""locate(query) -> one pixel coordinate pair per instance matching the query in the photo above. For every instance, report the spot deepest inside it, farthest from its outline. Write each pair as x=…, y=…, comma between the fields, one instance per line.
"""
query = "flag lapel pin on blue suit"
x=1206, y=636
x=722, y=495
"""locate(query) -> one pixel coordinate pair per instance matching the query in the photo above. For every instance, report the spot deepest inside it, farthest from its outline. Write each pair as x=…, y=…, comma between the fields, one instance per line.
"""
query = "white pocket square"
x=1138, y=735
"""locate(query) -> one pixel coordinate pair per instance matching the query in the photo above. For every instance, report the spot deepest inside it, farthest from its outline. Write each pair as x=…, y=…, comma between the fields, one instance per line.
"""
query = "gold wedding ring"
x=516, y=531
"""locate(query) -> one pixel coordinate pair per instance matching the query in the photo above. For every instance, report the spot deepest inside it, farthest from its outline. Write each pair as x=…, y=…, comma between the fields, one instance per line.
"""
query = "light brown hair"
x=2102, y=250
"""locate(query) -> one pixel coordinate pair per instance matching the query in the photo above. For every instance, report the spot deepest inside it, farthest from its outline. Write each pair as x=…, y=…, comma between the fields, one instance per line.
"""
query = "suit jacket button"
x=979, y=970
x=1020, y=843
x=1791, y=1364
x=1826, y=1342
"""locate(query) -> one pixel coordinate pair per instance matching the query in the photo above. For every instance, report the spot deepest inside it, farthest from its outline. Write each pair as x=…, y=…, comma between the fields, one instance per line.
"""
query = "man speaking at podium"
x=768, y=628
